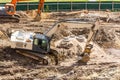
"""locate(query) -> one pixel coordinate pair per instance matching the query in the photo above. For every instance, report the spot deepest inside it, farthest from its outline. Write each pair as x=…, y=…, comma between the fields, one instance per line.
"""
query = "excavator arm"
x=52, y=30
x=40, y=7
x=85, y=56
x=93, y=32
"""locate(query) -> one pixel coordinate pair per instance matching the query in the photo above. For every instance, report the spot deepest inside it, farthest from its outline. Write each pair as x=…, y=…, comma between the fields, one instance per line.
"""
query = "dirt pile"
x=111, y=17
x=108, y=37
x=22, y=14
x=70, y=46
x=63, y=15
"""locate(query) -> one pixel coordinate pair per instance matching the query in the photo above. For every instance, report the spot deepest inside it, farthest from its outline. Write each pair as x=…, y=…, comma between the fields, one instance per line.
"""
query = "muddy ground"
x=104, y=61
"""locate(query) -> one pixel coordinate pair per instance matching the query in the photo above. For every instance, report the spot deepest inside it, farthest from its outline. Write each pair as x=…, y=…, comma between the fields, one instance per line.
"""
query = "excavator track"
x=8, y=19
x=46, y=59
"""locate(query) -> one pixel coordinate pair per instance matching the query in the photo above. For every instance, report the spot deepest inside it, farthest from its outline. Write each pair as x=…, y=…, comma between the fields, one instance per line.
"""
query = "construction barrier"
x=70, y=6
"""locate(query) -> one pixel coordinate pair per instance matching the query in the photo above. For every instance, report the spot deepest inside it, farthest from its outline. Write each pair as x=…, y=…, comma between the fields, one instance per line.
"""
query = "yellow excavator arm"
x=51, y=31
x=93, y=32
x=85, y=56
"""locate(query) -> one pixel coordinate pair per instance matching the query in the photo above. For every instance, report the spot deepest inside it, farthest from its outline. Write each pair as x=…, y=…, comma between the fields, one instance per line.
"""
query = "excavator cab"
x=8, y=13
x=10, y=9
x=41, y=43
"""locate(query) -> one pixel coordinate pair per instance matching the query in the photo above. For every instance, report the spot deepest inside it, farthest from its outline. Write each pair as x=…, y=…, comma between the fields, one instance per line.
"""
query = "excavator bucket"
x=84, y=59
x=37, y=18
x=85, y=56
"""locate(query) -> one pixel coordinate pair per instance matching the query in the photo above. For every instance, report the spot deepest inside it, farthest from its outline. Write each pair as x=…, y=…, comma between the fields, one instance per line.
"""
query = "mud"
x=104, y=61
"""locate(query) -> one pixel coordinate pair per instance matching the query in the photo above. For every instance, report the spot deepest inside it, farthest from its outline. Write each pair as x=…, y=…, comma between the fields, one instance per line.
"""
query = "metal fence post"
x=71, y=5
x=112, y=5
x=43, y=7
x=99, y=5
x=57, y=5
x=86, y=5
x=28, y=6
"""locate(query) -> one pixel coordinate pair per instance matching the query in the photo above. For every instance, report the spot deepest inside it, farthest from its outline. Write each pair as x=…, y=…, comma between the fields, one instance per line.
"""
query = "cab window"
x=10, y=8
x=41, y=43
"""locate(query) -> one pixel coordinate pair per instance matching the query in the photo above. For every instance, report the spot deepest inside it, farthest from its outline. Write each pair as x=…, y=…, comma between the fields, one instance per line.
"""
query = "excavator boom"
x=14, y=2
x=40, y=6
x=52, y=30
x=93, y=32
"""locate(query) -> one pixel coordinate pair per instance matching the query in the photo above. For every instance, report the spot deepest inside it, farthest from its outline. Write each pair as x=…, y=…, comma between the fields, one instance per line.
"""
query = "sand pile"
x=22, y=14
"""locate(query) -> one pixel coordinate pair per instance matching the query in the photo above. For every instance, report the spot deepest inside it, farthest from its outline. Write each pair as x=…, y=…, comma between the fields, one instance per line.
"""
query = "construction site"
x=66, y=45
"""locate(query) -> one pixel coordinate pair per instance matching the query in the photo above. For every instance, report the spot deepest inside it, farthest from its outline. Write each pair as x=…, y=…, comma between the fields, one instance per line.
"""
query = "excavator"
x=37, y=45
x=8, y=12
